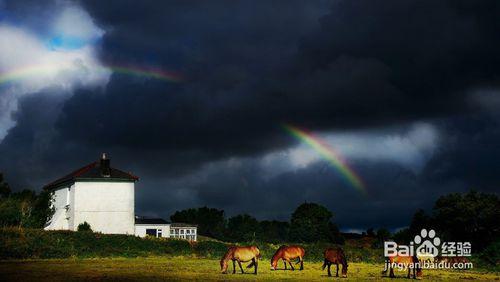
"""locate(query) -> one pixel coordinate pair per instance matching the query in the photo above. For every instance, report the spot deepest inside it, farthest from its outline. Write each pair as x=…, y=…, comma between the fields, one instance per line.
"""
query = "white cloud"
x=76, y=22
x=28, y=65
x=410, y=147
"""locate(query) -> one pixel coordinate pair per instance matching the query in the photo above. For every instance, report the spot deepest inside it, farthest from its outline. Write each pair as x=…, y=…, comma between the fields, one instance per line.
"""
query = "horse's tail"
x=251, y=264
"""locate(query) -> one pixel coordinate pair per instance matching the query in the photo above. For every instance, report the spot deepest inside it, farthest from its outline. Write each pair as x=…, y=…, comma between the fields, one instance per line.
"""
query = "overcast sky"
x=406, y=92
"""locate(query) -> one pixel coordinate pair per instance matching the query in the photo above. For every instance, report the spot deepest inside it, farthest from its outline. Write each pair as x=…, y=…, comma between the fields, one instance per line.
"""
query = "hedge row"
x=35, y=243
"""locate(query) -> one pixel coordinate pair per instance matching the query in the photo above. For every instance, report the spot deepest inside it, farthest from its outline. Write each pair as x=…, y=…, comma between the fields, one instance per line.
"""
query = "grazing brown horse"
x=287, y=253
x=335, y=256
x=410, y=262
x=240, y=254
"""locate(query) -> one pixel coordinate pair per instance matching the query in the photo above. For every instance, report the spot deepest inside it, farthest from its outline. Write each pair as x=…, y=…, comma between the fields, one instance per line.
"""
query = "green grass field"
x=183, y=268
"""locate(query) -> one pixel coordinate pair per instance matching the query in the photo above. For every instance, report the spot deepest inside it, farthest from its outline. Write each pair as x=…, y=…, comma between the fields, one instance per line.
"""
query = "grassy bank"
x=189, y=268
x=18, y=243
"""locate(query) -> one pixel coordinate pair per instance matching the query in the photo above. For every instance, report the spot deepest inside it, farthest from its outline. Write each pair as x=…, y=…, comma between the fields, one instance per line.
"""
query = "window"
x=159, y=233
x=182, y=231
x=176, y=231
x=188, y=231
x=151, y=232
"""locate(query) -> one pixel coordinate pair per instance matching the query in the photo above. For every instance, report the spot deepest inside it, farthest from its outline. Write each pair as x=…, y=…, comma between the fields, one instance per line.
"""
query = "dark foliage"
x=470, y=217
x=211, y=222
x=4, y=187
x=274, y=231
x=312, y=223
x=25, y=208
x=85, y=226
x=242, y=227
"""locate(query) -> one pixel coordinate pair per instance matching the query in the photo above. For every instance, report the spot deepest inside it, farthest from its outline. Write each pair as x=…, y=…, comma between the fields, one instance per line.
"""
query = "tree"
x=370, y=232
x=311, y=223
x=26, y=209
x=403, y=236
x=10, y=212
x=242, y=228
x=273, y=231
x=420, y=221
x=210, y=221
x=42, y=210
x=4, y=187
x=468, y=217
x=383, y=234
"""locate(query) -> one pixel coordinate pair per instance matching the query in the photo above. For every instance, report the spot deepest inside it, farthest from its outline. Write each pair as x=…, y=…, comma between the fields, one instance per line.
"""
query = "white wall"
x=61, y=198
x=140, y=229
x=107, y=206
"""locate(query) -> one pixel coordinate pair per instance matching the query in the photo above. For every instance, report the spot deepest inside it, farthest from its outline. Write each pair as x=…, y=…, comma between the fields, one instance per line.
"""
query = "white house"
x=103, y=197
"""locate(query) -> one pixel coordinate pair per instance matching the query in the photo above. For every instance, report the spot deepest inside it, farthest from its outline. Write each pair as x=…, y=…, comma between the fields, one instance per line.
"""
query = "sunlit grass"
x=181, y=268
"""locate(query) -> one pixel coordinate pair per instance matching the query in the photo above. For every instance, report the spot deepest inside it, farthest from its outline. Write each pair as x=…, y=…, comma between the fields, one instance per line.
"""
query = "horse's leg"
x=391, y=272
x=329, y=273
x=291, y=265
x=239, y=263
x=337, y=275
x=284, y=262
x=301, y=263
x=234, y=267
x=256, y=263
x=409, y=271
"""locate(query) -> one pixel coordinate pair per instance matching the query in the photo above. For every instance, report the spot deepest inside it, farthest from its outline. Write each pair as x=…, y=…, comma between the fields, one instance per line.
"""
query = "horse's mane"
x=342, y=255
x=229, y=253
x=277, y=252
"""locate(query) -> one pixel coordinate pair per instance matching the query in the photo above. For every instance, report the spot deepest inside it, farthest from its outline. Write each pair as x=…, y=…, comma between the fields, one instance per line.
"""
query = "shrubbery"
x=35, y=243
x=85, y=226
x=21, y=243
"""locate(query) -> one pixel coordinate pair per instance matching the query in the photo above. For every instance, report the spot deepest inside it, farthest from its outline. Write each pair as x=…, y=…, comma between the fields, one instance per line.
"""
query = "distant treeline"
x=458, y=217
x=310, y=222
x=472, y=217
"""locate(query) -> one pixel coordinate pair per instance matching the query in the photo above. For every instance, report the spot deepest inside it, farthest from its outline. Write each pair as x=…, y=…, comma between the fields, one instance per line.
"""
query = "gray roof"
x=150, y=221
x=180, y=224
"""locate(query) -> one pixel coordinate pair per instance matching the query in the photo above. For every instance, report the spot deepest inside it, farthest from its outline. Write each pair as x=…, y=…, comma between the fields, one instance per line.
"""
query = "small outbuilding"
x=160, y=228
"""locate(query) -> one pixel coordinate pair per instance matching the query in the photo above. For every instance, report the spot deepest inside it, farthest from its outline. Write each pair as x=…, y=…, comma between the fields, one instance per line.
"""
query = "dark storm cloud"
x=394, y=193
x=249, y=66
x=469, y=153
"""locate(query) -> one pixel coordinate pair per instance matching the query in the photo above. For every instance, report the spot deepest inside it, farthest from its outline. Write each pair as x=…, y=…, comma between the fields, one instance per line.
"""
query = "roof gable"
x=92, y=172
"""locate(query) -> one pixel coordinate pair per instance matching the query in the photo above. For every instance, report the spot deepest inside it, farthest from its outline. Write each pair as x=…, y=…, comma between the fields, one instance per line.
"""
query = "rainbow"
x=39, y=70
x=329, y=154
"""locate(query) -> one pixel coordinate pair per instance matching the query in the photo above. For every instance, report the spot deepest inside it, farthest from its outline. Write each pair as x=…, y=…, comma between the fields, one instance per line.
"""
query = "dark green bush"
x=210, y=249
x=35, y=243
x=85, y=226
x=491, y=255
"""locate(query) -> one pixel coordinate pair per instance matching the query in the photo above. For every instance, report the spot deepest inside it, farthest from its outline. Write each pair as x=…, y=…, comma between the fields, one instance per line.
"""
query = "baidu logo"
x=429, y=243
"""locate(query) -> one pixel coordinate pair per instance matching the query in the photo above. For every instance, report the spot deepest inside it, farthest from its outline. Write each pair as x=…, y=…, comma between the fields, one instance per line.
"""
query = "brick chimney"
x=105, y=168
